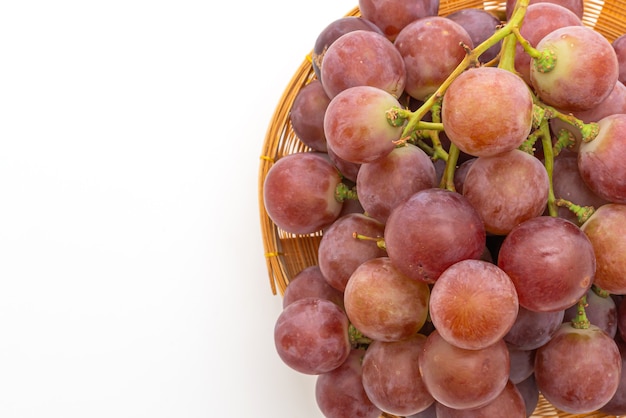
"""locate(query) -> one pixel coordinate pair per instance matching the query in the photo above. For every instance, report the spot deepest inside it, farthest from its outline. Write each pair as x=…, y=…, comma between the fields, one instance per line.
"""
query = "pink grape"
x=340, y=252
x=507, y=189
x=332, y=32
x=606, y=230
x=537, y=252
x=578, y=370
x=384, y=304
x=307, y=115
x=533, y=329
x=311, y=336
x=540, y=19
x=463, y=379
x=432, y=230
x=487, y=111
x=391, y=376
x=310, y=282
x=575, y=6
x=356, y=125
x=340, y=393
x=480, y=24
x=485, y=304
x=509, y=403
x=431, y=49
x=619, y=45
x=617, y=404
x=363, y=58
x=586, y=69
x=600, y=161
x=299, y=193
x=384, y=183
x=393, y=15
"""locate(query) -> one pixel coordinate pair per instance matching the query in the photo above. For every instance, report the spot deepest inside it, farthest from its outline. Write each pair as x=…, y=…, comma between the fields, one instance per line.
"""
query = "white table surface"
x=132, y=274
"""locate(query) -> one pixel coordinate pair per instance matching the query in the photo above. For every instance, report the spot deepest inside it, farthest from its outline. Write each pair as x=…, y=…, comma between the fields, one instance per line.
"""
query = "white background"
x=132, y=273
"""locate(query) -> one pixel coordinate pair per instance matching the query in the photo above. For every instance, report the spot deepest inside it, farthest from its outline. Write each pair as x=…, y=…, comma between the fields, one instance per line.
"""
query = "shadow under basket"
x=287, y=254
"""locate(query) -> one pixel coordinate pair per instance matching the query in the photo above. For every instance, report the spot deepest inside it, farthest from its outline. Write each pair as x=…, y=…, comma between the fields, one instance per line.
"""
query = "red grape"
x=487, y=111
x=384, y=183
x=586, y=69
x=509, y=403
x=463, y=379
x=606, y=229
x=299, y=193
x=578, y=370
x=432, y=230
x=393, y=15
x=340, y=393
x=473, y=304
x=311, y=336
x=600, y=161
x=356, y=125
x=307, y=115
x=384, y=304
x=480, y=24
x=550, y=260
x=391, y=376
x=363, y=58
x=340, y=252
x=507, y=189
x=310, y=282
x=431, y=49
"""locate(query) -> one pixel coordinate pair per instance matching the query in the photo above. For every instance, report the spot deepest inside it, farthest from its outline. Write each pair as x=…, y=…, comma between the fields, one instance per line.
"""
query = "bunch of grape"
x=467, y=175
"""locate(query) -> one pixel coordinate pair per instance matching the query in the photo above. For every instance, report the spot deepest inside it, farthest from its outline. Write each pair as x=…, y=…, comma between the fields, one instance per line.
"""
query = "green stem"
x=582, y=212
x=343, y=193
x=380, y=241
x=599, y=291
x=548, y=158
x=589, y=131
x=471, y=58
x=447, y=180
x=357, y=339
x=580, y=321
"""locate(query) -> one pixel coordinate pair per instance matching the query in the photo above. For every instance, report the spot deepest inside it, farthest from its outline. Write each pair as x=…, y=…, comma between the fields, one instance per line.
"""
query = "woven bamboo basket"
x=287, y=254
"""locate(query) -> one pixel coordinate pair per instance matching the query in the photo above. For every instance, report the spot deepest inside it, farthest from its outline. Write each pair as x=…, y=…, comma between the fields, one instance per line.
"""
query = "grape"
x=460, y=173
x=299, y=193
x=575, y=6
x=311, y=336
x=540, y=19
x=507, y=189
x=391, y=376
x=384, y=304
x=430, y=412
x=340, y=253
x=617, y=404
x=384, y=183
x=307, y=115
x=606, y=229
x=363, y=58
x=348, y=169
x=477, y=98
x=619, y=45
x=537, y=253
x=533, y=329
x=356, y=125
x=432, y=230
x=569, y=185
x=614, y=103
x=463, y=379
x=578, y=370
x=530, y=393
x=509, y=403
x=340, y=393
x=431, y=49
x=586, y=69
x=310, y=282
x=601, y=311
x=484, y=304
x=332, y=32
x=522, y=363
x=480, y=24
x=621, y=319
x=600, y=161
x=393, y=15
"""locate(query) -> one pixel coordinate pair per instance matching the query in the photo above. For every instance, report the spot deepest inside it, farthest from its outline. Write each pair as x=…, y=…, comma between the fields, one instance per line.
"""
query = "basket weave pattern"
x=287, y=254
